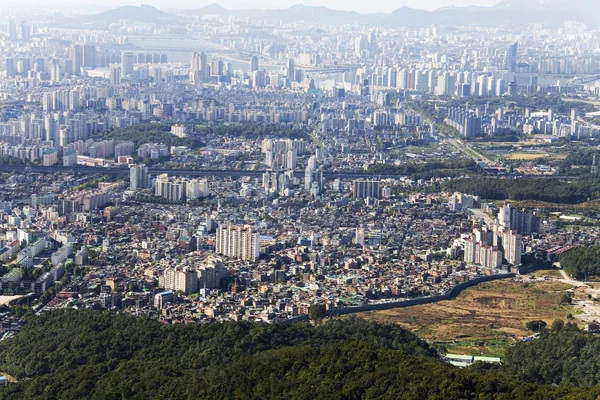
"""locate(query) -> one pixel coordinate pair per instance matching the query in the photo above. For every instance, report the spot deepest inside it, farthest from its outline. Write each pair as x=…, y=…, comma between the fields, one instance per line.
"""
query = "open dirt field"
x=525, y=156
x=483, y=319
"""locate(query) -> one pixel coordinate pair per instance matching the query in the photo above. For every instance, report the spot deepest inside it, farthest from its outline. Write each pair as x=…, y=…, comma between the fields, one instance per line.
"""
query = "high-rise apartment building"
x=139, y=177
x=198, y=67
x=511, y=244
x=361, y=189
x=185, y=281
x=239, y=242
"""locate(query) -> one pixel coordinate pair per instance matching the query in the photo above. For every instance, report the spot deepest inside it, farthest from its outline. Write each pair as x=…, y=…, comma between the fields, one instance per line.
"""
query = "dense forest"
x=564, y=357
x=161, y=133
x=257, y=131
x=10, y=160
x=100, y=355
x=579, y=189
x=149, y=133
x=581, y=262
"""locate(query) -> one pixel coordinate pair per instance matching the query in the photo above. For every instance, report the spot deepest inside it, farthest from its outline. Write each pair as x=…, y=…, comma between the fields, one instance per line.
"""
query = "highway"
x=115, y=171
x=120, y=171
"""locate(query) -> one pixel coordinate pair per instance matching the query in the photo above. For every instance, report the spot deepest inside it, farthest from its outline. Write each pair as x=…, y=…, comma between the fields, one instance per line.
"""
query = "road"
x=480, y=214
x=121, y=171
x=115, y=171
x=467, y=150
x=590, y=309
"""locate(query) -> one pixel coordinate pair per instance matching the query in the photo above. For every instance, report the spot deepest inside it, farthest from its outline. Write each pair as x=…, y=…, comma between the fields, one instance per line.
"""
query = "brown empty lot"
x=484, y=318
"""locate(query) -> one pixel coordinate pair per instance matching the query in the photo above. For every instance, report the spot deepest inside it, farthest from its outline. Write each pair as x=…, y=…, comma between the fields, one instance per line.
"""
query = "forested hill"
x=581, y=262
x=99, y=355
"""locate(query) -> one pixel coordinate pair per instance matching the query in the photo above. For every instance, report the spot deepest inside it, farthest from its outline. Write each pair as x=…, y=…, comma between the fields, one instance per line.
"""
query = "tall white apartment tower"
x=239, y=242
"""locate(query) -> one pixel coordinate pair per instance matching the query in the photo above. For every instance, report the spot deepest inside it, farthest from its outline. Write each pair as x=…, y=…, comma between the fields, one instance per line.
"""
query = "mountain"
x=142, y=13
x=507, y=12
x=100, y=355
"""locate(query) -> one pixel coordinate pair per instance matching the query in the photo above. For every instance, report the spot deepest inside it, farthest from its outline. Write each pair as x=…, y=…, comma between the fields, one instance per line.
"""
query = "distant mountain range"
x=143, y=13
x=507, y=12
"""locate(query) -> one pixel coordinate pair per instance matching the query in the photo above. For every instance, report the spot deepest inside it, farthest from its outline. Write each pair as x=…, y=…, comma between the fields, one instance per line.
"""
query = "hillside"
x=507, y=12
x=99, y=355
x=142, y=13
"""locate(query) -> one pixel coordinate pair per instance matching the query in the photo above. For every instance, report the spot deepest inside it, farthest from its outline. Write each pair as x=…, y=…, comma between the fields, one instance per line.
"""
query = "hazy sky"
x=364, y=6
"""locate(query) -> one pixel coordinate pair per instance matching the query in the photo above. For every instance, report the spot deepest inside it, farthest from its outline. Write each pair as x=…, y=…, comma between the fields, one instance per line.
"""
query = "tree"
x=316, y=312
x=536, y=326
x=558, y=324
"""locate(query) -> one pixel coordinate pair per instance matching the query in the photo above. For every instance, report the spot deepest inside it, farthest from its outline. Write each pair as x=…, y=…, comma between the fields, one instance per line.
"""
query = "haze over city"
x=352, y=5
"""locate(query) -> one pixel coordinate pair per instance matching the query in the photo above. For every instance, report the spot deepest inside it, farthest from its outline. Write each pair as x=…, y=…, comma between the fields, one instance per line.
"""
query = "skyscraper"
x=291, y=71
x=12, y=30
x=89, y=55
x=253, y=64
x=25, y=32
x=139, y=177
x=77, y=57
x=511, y=58
x=127, y=63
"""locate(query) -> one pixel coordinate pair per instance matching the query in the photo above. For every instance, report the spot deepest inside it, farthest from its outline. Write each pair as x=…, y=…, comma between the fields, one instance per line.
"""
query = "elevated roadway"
x=236, y=173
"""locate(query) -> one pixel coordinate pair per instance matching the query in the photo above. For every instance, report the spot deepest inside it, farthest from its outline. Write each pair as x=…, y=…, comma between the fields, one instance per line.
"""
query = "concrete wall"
x=412, y=302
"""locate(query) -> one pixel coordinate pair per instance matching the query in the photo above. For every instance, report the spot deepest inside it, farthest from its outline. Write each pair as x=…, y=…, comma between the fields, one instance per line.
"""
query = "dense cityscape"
x=212, y=165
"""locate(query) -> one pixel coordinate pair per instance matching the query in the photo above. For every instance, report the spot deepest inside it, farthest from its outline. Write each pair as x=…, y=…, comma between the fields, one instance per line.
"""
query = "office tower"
x=89, y=55
x=217, y=68
x=258, y=79
x=253, y=63
x=291, y=72
x=77, y=57
x=10, y=69
x=25, y=32
x=511, y=58
x=361, y=189
x=511, y=244
x=238, y=242
x=128, y=60
x=139, y=177
x=574, y=124
x=12, y=31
